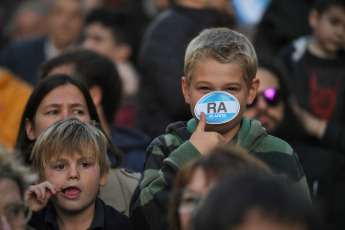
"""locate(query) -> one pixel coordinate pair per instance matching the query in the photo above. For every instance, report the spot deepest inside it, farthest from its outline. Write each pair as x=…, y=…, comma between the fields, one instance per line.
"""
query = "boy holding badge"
x=220, y=68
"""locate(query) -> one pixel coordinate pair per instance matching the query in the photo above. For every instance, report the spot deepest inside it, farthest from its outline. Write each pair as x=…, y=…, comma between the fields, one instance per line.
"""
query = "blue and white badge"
x=219, y=107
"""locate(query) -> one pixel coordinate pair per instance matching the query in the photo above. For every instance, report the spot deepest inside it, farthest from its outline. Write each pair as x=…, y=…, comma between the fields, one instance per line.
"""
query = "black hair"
x=93, y=69
x=119, y=20
x=44, y=87
x=228, y=204
x=322, y=5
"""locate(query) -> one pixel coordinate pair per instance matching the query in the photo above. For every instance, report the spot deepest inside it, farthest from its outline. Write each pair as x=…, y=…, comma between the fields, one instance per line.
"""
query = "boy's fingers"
x=202, y=123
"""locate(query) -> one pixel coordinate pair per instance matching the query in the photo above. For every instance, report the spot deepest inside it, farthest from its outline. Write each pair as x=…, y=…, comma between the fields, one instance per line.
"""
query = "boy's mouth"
x=71, y=192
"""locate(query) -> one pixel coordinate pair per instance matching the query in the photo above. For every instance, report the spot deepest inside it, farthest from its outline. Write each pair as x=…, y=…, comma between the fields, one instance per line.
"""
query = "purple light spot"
x=270, y=93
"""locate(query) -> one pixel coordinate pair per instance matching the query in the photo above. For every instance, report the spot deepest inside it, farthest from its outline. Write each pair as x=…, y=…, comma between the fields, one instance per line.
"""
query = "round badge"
x=219, y=107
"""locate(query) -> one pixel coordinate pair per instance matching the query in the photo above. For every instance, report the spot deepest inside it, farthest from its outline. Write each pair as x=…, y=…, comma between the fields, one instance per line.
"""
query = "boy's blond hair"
x=225, y=46
x=70, y=136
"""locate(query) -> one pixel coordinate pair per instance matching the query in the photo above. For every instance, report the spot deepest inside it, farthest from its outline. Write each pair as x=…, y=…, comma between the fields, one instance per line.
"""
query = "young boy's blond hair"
x=225, y=46
x=70, y=136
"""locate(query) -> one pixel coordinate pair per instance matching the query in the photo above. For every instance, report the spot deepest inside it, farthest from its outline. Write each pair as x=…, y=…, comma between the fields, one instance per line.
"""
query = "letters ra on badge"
x=219, y=107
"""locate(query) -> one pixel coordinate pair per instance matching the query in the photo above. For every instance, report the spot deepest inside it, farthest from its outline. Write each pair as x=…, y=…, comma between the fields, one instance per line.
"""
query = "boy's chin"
x=219, y=128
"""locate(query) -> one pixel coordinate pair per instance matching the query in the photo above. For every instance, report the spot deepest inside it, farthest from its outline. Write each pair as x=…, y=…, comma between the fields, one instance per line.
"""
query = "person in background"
x=64, y=22
x=218, y=59
x=27, y=22
x=104, y=83
x=15, y=179
x=316, y=65
x=323, y=167
x=196, y=178
x=160, y=60
x=248, y=200
x=14, y=94
x=112, y=32
x=71, y=162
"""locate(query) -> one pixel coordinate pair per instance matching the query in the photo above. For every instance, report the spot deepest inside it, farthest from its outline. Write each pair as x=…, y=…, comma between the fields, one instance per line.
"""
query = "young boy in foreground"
x=223, y=60
x=71, y=161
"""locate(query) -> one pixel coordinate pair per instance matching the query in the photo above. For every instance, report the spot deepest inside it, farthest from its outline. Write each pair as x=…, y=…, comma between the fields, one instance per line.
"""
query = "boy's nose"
x=73, y=173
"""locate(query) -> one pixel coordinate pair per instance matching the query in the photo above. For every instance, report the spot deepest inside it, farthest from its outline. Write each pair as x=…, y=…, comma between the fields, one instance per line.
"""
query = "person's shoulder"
x=176, y=134
x=274, y=144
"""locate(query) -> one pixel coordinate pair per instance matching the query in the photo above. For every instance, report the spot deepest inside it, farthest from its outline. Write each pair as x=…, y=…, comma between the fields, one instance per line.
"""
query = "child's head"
x=70, y=137
x=221, y=59
x=225, y=46
x=196, y=178
x=110, y=32
x=327, y=19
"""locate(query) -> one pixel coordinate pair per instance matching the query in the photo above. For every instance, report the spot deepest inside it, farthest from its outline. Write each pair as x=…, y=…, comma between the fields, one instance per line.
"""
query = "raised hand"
x=40, y=194
x=204, y=141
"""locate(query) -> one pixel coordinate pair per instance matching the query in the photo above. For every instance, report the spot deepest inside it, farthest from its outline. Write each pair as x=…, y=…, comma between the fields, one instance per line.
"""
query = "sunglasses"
x=272, y=97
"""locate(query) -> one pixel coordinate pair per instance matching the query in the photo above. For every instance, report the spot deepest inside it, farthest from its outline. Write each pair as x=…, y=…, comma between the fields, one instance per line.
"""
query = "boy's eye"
x=204, y=88
x=61, y=166
x=85, y=164
x=231, y=89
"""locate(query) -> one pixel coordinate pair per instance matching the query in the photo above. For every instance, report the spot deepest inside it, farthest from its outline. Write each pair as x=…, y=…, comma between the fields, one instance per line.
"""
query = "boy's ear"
x=313, y=18
x=30, y=130
x=185, y=90
x=104, y=178
x=253, y=90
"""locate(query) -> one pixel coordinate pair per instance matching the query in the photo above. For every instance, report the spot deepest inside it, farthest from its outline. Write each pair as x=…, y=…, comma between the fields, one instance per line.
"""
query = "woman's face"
x=62, y=102
x=12, y=215
x=194, y=191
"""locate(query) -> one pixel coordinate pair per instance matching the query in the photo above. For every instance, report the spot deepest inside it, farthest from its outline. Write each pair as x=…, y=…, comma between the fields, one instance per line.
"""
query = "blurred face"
x=62, y=102
x=66, y=21
x=217, y=4
x=255, y=221
x=100, y=39
x=78, y=178
x=190, y=198
x=210, y=75
x=329, y=30
x=28, y=24
x=11, y=213
x=268, y=114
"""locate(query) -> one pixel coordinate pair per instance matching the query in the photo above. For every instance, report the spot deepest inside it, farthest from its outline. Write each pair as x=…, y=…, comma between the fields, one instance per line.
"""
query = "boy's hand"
x=40, y=194
x=203, y=141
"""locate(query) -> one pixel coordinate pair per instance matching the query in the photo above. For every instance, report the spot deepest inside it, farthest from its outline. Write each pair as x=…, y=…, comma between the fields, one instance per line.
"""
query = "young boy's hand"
x=203, y=141
x=40, y=194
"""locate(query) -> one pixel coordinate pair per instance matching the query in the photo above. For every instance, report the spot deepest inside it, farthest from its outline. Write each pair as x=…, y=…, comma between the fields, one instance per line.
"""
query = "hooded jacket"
x=168, y=153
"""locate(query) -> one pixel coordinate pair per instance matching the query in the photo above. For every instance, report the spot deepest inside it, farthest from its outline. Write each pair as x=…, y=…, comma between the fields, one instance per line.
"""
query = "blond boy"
x=71, y=161
x=218, y=59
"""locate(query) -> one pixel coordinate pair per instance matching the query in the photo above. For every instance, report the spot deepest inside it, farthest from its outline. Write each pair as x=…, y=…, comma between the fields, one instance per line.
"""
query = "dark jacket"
x=161, y=60
x=106, y=218
x=24, y=59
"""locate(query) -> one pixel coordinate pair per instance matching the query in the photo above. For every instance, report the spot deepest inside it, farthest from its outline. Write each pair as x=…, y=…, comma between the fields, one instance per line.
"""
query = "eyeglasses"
x=18, y=214
x=272, y=97
x=187, y=200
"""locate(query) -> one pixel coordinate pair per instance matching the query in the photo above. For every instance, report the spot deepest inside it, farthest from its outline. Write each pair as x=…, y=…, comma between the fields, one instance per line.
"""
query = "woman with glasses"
x=14, y=180
x=324, y=167
x=195, y=179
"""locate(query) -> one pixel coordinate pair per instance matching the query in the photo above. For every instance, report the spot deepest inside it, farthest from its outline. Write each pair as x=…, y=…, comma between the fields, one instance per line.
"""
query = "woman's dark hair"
x=93, y=69
x=44, y=87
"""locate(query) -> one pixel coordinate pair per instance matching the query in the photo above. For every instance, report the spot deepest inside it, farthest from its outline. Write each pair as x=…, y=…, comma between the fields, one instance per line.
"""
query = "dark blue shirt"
x=106, y=218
